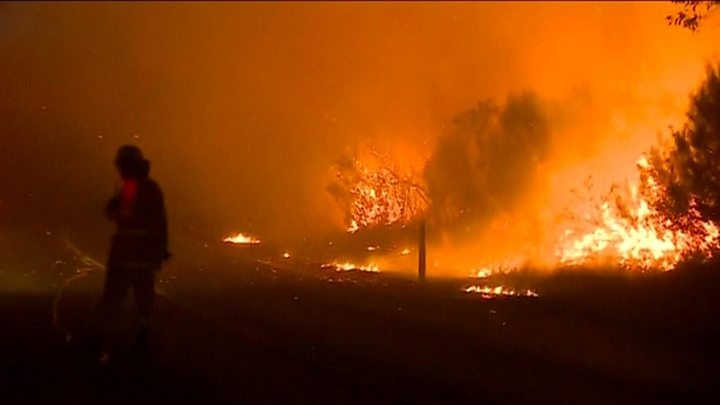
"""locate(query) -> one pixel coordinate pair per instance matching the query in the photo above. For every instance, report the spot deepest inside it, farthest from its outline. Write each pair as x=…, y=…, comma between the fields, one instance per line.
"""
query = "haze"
x=244, y=107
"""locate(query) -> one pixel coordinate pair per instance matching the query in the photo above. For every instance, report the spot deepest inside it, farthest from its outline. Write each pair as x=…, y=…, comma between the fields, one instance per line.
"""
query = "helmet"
x=128, y=154
x=130, y=162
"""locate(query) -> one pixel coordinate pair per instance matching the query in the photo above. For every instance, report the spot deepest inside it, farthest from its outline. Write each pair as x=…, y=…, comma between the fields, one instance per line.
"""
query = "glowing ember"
x=405, y=252
x=286, y=255
x=347, y=266
x=353, y=227
x=241, y=239
x=499, y=291
x=630, y=232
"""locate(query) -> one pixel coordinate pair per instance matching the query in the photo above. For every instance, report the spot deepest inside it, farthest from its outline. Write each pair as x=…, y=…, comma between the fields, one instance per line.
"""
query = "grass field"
x=238, y=330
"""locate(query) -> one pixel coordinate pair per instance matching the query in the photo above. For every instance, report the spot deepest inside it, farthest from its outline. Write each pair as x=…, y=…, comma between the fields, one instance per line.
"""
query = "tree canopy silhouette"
x=687, y=171
x=692, y=12
x=485, y=161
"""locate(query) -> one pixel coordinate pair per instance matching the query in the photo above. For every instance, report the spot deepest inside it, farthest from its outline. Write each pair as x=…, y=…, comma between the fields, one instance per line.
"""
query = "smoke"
x=243, y=108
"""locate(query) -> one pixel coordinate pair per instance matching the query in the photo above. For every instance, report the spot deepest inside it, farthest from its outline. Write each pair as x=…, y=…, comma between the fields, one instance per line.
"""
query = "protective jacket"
x=138, y=210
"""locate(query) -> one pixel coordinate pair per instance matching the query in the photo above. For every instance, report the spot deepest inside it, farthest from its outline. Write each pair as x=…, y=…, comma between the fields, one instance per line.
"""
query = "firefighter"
x=139, y=244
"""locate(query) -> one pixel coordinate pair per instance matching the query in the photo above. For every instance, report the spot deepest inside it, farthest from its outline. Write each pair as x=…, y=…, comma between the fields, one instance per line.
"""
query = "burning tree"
x=376, y=192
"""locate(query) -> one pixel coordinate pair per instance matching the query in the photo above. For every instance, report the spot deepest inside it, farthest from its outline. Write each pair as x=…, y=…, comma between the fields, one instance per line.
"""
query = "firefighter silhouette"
x=139, y=244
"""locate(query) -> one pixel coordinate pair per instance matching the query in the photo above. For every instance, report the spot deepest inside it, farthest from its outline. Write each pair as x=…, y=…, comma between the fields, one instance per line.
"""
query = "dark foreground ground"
x=244, y=331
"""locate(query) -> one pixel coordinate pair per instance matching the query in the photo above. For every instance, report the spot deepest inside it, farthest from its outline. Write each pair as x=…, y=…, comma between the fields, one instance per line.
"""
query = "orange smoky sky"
x=243, y=107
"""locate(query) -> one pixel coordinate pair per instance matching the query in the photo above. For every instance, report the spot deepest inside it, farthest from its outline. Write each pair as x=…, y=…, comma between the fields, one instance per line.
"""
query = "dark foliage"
x=692, y=13
x=687, y=171
x=486, y=160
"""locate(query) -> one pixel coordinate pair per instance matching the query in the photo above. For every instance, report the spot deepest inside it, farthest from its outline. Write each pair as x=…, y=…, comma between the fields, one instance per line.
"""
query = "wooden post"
x=421, y=251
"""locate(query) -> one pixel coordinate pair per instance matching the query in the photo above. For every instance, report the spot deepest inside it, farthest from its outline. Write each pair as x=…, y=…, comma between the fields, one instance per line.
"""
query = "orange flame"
x=633, y=234
x=242, y=239
x=499, y=291
x=380, y=194
x=347, y=266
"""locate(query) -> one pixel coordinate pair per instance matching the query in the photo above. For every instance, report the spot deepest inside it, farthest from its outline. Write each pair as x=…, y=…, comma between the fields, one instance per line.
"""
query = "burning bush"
x=673, y=214
x=627, y=230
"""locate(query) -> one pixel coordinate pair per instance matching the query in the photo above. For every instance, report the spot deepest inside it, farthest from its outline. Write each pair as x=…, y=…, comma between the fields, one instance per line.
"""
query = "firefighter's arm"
x=112, y=209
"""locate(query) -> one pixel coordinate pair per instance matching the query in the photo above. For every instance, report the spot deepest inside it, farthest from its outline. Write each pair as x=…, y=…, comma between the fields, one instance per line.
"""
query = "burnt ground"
x=243, y=331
